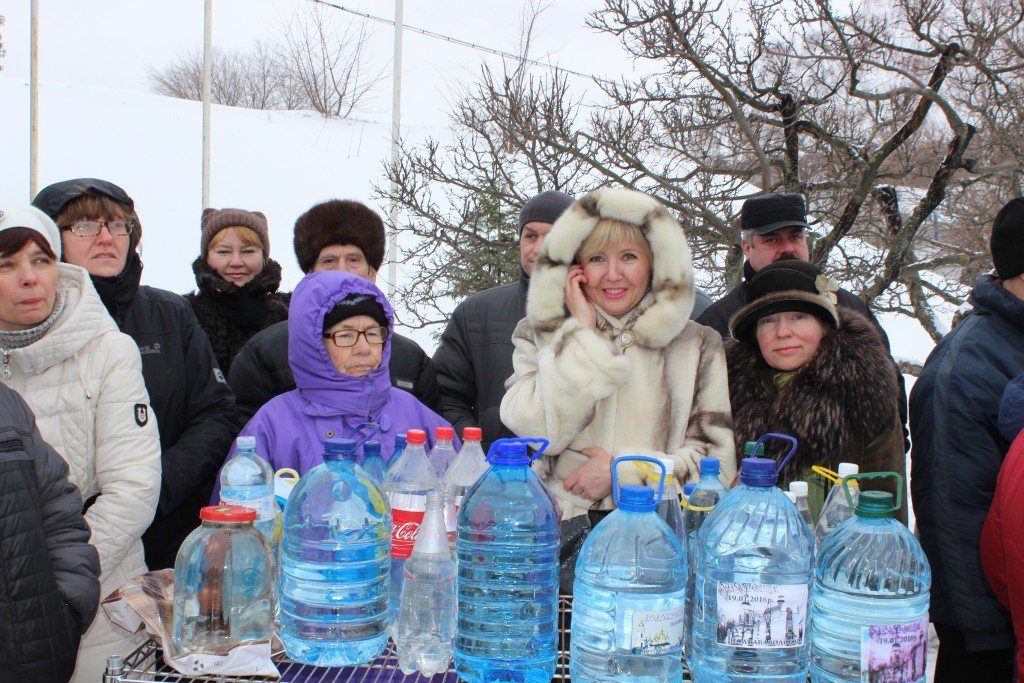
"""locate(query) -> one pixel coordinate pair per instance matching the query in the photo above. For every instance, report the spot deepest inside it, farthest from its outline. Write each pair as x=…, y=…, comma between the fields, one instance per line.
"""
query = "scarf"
x=621, y=327
x=19, y=339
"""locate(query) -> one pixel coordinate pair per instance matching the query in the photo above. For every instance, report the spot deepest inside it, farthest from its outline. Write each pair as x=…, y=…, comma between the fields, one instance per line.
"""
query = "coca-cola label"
x=405, y=524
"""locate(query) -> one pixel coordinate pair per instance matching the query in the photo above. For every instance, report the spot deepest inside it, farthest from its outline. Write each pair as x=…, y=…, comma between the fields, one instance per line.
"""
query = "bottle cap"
x=245, y=443
x=509, y=453
x=758, y=472
x=227, y=513
x=791, y=496
x=799, y=488
x=336, y=449
x=444, y=433
x=417, y=437
x=875, y=504
x=472, y=434
x=689, y=488
x=636, y=498
x=713, y=466
x=371, y=449
x=670, y=466
x=847, y=468
x=748, y=449
x=400, y=441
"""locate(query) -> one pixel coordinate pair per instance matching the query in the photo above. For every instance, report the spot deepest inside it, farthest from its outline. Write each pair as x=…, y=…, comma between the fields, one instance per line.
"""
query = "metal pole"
x=396, y=123
x=207, y=68
x=33, y=103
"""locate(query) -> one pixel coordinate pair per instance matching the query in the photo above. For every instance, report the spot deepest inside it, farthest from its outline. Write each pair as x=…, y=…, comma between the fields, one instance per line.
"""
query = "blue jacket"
x=958, y=450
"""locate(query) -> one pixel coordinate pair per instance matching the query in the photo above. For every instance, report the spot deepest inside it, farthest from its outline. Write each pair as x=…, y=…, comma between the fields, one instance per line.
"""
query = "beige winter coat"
x=83, y=381
x=663, y=393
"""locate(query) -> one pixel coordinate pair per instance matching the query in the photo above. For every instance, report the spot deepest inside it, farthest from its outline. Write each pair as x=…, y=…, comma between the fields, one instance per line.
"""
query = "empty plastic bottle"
x=836, y=508
x=373, y=463
x=443, y=452
x=799, y=491
x=629, y=593
x=507, y=549
x=468, y=466
x=870, y=597
x=670, y=503
x=223, y=583
x=753, y=583
x=247, y=480
x=425, y=632
x=335, y=555
x=407, y=483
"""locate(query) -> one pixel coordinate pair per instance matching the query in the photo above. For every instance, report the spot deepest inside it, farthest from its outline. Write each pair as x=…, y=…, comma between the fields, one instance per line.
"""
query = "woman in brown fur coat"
x=801, y=366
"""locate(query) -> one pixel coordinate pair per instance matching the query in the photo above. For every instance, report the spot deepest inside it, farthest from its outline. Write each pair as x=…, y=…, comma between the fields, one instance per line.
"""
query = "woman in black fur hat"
x=237, y=281
x=802, y=366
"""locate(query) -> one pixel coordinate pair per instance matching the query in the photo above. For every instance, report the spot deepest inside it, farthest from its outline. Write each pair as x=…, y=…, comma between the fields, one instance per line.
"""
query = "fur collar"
x=842, y=399
x=210, y=283
x=672, y=277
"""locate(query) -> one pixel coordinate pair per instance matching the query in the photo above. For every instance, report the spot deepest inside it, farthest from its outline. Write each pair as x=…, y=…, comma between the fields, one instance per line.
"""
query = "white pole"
x=33, y=103
x=207, y=68
x=396, y=123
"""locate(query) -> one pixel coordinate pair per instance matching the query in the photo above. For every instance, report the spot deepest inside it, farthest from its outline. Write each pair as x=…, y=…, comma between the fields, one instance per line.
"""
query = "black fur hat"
x=786, y=285
x=339, y=221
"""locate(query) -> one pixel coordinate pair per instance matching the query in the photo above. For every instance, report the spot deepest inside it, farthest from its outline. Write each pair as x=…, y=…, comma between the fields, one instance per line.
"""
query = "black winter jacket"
x=195, y=409
x=958, y=450
x=230, y=314
x=260, y=371
x=49, y=574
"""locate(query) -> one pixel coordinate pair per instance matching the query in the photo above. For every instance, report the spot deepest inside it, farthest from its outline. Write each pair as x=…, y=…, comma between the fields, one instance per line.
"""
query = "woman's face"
x=233, y=259
x=789, y=340
x=617, y=277
x=362, y=357
x=103, y=255
x=28, y=287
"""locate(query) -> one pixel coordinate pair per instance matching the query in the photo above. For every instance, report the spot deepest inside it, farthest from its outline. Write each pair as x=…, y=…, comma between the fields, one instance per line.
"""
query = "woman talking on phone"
x=607, y=362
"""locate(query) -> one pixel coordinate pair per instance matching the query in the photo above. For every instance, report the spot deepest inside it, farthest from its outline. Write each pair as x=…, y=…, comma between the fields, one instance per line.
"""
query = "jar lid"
x=227, y=513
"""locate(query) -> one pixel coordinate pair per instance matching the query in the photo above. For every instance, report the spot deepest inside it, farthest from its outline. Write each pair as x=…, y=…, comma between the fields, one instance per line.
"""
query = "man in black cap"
x=958, y=452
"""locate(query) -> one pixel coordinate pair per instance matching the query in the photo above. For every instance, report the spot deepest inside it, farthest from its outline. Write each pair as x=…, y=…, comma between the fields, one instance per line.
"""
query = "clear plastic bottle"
x=753, y=584
x=373, y=463
x=247, y=480
x=629, y=594
x=333, y=585
x=443, y=452
x=799, y=490
x=223, y=583
x=425, y=632
x=468, y=466
x=670, y=506
x=507, y=548
x=836, y=509
x=870, y=597
x=407, y=483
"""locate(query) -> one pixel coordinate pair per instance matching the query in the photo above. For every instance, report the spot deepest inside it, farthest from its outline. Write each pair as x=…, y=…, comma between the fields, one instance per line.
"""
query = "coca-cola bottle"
x=407, y=483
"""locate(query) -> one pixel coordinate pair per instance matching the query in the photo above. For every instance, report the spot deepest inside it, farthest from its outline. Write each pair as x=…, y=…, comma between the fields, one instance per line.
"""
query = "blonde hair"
x=247, y=237
x=611, y=231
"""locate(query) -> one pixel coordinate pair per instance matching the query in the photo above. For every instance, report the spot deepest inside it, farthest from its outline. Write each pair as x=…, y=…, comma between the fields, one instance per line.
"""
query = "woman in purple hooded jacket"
x=339, y=345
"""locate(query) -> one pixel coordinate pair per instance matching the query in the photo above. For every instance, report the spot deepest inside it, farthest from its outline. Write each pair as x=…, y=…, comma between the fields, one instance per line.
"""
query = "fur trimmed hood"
x=672, y=271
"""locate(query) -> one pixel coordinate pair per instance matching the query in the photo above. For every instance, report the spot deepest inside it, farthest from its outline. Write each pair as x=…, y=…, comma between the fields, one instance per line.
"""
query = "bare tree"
x=232, y=78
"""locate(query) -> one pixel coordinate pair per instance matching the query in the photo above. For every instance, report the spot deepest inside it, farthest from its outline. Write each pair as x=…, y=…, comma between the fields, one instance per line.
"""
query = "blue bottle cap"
x=689, y=488
x=371, y=449
x=636, y=498
x=337, y=449
x=758, y=472
x=510, y=453
x=399, y=440
x=710, y=466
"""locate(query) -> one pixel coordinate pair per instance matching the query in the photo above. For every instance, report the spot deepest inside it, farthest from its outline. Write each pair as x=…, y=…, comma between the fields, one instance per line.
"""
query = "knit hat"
x=215, y=220
x=787, y=285
x=353, y=305
x=339, y=221
x=544, y=208
x=18, y=215
x=1007, y=243
x=771, y=212
x=52, y=200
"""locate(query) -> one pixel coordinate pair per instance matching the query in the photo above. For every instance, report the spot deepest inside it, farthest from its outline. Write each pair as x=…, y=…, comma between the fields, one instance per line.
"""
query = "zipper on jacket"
x=11, y=445
x=7, y=374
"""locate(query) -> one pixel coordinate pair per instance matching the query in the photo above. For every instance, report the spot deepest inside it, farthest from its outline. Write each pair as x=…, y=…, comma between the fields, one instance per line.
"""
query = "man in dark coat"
x=195, y=409
x=958, y=451
x=333, y=235
x=49, y=574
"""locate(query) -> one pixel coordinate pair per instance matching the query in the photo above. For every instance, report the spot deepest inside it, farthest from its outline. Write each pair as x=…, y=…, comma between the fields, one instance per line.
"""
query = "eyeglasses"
x=93, y=228
x=346, y=338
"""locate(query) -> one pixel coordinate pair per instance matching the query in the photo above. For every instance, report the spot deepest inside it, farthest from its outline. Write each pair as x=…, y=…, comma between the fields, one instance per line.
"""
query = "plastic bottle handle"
x=373, y=427
x=832, y=475
x=849, y=479
x=781, y=437
x=544, y=443
x=288, y=474
x=637, y=458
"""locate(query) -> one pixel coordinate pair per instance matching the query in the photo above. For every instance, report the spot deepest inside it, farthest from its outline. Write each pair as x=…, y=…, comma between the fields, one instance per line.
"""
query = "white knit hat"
x=21, y=215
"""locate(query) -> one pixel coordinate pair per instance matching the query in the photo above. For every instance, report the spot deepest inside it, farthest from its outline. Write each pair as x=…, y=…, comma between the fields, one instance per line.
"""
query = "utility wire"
x=460, y=42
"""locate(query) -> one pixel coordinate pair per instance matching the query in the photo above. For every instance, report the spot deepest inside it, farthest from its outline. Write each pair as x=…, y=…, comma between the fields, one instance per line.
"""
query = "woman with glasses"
x=82, y=378
x=195, y=409
x=339, y=345
x=237, y=281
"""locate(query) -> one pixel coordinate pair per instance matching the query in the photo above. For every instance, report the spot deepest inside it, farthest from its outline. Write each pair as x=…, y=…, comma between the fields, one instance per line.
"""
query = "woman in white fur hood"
x=607, y=361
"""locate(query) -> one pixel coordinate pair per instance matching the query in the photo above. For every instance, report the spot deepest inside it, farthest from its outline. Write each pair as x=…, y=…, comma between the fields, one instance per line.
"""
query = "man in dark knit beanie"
x=338, y=234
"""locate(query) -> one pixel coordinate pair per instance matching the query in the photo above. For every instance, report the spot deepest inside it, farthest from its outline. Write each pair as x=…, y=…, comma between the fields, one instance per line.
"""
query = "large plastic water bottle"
x=425, y=632
x=670, y=504
x=407, y=483
x=507, y=549
x=837, y=509
x=335, y=554
x=753, y=583
x=223, y=583
x=247, y=480
x=443, y=452
x=629, y=593
x=373, y=463
x=870, y=597
x=468, y=466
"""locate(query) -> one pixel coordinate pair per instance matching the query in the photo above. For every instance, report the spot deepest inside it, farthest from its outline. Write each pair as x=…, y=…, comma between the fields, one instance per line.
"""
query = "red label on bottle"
x=405, y=524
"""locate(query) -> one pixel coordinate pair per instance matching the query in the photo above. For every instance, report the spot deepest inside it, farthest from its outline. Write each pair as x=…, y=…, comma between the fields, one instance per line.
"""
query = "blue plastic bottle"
x=400, y=442
x=247, y=480
x=507, y=547
x=629, y=593
x=870, y=597
x=373, y=463
x=335, y=558
x=753, y=584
